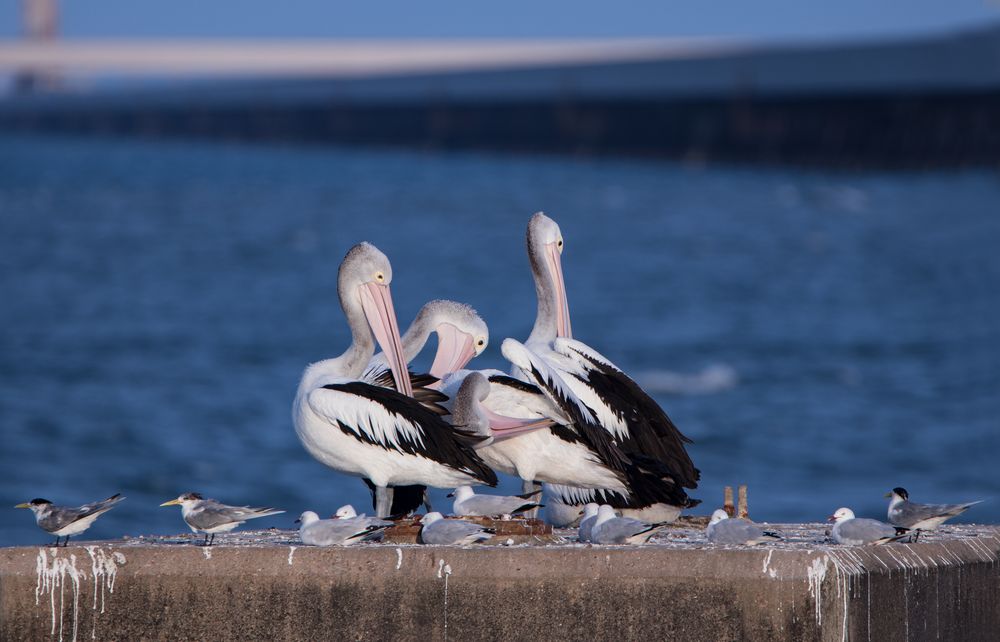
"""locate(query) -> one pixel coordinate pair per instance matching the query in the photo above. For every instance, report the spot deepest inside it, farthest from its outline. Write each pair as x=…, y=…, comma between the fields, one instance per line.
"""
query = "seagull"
x=437, y=530
x=739, y=532
x=63, y=521
x=210, y=517
x=342, y=531
x=587, y=522
x=366, y=430
x=592, y=389
x=856, y=531
x=469, y=504
x=904, y=514
x=347, y=512
x=609, y=529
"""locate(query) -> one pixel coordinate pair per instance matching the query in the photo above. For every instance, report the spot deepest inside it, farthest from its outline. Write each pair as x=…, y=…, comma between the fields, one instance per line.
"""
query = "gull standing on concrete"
x=210, y=517
x=63, y=521
x=592, y=390
x=905, y=514
x=587, y=522
x=469, y=504
x=369, y=431
x=438, y=531
x=609, y=529
x=736, y=532
x=341, y=531
x=856, y=531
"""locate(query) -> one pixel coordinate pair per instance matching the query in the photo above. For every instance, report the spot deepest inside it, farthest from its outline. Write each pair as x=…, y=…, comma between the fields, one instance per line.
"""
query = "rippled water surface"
x=822, y=337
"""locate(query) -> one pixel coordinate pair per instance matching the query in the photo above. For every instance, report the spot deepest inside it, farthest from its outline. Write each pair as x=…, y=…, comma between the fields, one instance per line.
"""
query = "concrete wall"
x=945, y=590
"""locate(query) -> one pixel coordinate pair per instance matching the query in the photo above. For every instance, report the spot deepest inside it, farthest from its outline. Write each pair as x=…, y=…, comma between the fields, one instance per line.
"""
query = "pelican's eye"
x=559, y=244
x=480, y=343
x=380, y=277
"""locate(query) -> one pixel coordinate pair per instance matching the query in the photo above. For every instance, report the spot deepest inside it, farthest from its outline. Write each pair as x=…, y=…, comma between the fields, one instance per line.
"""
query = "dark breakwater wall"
x=941, y=590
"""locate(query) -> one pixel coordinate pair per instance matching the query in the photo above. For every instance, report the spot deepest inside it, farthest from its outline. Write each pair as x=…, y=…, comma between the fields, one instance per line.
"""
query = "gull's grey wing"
x=331, y=532
x=862, y=531
x=453, y=531
x=909, y=514
x=586, y=528
x=619, y=529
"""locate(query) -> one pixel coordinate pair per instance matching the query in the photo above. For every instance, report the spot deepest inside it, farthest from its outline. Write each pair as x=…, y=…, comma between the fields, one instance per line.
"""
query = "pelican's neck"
x=544, y=330
x=416, y=336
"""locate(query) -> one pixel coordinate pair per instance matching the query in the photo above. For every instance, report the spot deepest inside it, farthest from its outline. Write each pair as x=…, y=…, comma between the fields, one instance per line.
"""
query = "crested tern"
x=209, y=516
x=63, y=521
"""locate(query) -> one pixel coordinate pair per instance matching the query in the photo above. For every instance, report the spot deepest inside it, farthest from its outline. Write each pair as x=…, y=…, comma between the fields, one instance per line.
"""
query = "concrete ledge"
x=942, y=589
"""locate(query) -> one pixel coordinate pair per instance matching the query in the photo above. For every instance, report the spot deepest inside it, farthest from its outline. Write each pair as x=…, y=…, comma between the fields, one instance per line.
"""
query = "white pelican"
x=461, y=335
x=589, y=386
x=366, y=430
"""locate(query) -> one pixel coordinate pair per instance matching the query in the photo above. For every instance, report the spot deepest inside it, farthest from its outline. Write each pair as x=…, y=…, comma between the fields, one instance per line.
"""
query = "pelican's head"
x=307, y=517
x=37, y=505
x=345, y=512
x=430, y=518
x=841, y=515
x=462, y=493
x=898, y=494
x=545, y=246
x=184, y=501
x=462, y=334
x=469, y=413
x=363, y=281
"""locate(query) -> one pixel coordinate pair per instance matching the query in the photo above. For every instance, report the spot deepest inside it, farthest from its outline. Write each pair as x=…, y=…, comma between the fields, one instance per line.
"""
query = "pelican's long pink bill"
x=504, y=427
x=377, y=303
x=454, y=350
x=564, y=328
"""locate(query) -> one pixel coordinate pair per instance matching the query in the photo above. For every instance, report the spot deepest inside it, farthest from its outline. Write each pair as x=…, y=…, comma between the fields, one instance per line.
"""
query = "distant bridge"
x=923, y=101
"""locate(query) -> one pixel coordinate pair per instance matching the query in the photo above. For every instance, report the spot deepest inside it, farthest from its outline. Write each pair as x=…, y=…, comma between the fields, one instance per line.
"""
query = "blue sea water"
x=822, y=337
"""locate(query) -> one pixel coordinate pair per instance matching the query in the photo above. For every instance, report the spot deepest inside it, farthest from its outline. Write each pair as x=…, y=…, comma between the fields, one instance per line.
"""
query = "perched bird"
x=469, y=504
x=63, y=521
x=609, y=529
x=362, y=428
x=342, y=531
x=592, y=391
x=855, y=531
x=587, y=522
x=723, y=530
x=347, y=512
x=904, y=514
x=461, y=335
x=437, y=530
x=210, y=517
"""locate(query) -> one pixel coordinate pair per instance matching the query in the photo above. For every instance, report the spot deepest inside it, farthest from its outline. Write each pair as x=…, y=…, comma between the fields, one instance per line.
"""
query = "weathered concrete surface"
x=948, y=588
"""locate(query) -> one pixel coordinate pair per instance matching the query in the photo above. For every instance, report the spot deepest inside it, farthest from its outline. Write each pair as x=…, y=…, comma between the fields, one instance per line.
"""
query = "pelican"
x=462, y=335
x=366, y=430
x=591, y=388
x=526, y=435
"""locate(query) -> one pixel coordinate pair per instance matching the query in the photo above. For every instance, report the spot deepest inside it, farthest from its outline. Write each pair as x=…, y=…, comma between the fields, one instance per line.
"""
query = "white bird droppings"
x=399, y=558
x=816, y=574
x=291, y=554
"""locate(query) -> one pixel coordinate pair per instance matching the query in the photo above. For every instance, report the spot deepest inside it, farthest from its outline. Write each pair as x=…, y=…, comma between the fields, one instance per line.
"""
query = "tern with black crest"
x=64, y=521
x=209, y=516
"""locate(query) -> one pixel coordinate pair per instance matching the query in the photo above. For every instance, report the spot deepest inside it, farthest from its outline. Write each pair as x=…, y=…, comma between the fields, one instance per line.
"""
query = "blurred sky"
x=518, y=18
